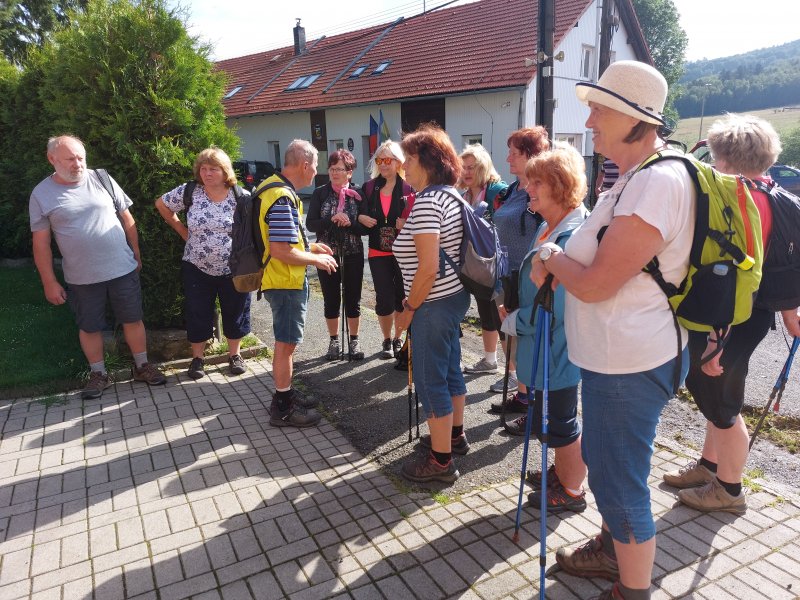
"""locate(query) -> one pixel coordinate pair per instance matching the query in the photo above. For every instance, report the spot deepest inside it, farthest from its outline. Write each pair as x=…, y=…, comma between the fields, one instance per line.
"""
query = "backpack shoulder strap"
x=188, y=194
x=105, y=181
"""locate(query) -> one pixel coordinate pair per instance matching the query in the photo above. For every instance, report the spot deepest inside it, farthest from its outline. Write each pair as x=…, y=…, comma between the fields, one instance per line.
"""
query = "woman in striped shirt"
x=436, y=302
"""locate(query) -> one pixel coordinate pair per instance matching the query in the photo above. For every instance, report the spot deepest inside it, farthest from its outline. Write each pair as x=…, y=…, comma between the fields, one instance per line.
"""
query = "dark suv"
x=252, y=172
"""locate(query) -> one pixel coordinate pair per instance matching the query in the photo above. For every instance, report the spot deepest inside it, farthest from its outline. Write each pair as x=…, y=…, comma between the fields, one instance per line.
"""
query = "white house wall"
x=493, y=116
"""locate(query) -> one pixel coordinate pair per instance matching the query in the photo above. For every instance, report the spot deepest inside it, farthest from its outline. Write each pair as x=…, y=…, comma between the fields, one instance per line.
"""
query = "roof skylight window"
x=303, y=82
x=358, y=71
x=381, y=67
x=233, y=92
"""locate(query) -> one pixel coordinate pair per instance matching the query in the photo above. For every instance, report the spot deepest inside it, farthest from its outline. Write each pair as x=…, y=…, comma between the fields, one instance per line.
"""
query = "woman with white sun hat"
x=620, y=330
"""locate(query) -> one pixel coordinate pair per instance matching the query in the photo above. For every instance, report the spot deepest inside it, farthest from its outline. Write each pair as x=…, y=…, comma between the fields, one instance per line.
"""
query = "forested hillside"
x=764, y=78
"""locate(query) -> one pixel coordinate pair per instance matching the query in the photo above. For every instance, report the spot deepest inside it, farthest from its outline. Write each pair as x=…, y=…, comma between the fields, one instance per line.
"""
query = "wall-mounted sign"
x=350, y=144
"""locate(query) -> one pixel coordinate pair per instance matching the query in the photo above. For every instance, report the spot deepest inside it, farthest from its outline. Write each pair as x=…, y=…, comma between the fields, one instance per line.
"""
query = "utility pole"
x=703, y=110
x=606, y=29
x=544, y=69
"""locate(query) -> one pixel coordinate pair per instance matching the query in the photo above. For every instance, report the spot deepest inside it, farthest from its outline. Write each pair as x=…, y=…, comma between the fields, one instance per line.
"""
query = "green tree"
x=667, y=41
x=26, y=24
x=791, y=148
x=143, y=95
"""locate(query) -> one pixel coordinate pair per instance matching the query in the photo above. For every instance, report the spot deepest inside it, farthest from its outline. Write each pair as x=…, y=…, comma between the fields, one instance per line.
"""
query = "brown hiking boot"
x=611, y=593
x=149, y=374
x=427, y=469
x=712, y=497
x=688, y=476
x=96, y=384
x=588, y=560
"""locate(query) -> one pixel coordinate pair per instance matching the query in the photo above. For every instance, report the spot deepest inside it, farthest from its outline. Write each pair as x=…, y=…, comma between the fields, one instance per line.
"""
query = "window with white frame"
x=474, y=138
x=573, y=139
x=587, y=62
x=336, y=145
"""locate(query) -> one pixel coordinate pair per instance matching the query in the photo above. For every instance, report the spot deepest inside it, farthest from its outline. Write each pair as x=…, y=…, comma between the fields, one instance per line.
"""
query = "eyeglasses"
x=337, y=170
x=470, y=168
x=384, y=161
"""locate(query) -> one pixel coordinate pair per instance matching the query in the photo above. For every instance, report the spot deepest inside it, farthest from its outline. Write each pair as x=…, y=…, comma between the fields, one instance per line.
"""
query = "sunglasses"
x=383, y=161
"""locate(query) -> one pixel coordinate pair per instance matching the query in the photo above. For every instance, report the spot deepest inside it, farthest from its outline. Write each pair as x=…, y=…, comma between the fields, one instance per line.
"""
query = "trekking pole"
x=509, y=340
x=777, y=391
x=410, y=384
x=345, y=325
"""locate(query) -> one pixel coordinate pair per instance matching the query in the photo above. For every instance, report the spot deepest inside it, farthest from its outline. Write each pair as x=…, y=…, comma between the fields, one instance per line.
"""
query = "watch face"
x=545, y=253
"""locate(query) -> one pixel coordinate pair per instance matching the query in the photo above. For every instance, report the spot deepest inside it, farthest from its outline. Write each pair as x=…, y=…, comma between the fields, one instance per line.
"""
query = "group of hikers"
x=612, y=332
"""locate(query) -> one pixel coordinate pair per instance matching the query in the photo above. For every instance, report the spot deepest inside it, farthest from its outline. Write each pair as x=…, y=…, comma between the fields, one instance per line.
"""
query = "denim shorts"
x=288, y=313
x=436, y=353
x=620, y=415
x=88, y=302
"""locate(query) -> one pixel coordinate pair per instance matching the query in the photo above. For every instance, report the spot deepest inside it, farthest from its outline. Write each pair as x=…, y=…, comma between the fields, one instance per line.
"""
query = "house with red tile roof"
x=471, y=68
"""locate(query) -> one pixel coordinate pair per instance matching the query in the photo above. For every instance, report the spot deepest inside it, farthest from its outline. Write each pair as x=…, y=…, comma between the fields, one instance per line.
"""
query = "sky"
x=238, y=27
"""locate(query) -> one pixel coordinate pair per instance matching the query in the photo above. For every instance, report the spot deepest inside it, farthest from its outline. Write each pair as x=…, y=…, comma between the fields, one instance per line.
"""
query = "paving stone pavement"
x=185, y=491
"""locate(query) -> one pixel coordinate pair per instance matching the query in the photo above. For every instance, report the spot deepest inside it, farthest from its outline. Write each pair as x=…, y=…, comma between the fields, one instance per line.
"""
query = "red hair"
x=530, y=140
x=344, y=157
x=435, y=153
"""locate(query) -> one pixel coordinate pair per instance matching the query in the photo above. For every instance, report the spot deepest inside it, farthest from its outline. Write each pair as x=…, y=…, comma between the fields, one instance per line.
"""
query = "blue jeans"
x=436, y=353
x=289, y=309
x=620, y=415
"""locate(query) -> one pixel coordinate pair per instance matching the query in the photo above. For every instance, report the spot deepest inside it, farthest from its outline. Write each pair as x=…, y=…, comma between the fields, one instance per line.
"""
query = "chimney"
x=299, y=39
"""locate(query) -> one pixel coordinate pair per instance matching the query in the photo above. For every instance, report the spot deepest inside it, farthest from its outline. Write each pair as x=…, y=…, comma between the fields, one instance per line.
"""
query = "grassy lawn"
x=39, y=349
x=783, y=122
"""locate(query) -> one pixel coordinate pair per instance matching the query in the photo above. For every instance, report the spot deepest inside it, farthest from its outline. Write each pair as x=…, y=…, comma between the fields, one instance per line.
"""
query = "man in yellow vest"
x=284, y=283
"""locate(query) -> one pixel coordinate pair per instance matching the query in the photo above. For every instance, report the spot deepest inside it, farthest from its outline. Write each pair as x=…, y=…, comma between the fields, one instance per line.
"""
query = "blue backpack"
x=482, y=260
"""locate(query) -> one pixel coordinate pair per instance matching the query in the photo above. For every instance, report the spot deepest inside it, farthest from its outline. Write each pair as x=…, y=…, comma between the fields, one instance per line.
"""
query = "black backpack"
x=780, y=277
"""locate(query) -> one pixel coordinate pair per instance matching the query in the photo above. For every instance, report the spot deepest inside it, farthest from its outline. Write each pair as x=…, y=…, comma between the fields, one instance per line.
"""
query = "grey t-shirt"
x=82, y=217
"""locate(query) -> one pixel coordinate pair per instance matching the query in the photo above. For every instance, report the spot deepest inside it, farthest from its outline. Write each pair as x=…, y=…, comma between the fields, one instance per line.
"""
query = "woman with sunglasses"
x=387, y=198
x=332, y=215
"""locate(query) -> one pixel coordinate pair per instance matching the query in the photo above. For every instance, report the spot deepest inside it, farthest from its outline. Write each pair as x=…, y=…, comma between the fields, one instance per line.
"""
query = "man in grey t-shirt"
x=97, y=238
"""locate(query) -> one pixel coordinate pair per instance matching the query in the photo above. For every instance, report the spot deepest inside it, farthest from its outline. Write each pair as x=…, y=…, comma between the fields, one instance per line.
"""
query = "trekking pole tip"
x=515, y=537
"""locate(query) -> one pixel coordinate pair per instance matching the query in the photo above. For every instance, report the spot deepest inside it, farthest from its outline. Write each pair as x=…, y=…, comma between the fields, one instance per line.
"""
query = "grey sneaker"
x=149, y=374
x=294, y=416
x=355, y=350
x=387, y=351
x=497, y=386
x=96, y=384
x=482, y=366
x=713, y=497
x=334, y=350
x=236, y=364
x=688, y=476
x=195, y=370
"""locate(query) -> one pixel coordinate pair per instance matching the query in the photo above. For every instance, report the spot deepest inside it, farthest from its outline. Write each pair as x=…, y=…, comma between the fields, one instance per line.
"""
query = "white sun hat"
x=630, y=87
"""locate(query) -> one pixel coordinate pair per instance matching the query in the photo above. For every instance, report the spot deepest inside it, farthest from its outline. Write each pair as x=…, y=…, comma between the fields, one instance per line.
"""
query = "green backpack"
x=726, y=255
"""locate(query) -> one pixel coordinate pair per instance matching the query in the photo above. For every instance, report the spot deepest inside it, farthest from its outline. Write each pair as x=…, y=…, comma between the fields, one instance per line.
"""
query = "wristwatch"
x=545, y=252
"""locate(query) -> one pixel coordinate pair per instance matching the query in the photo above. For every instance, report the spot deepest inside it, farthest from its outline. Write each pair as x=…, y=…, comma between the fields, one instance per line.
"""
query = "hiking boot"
x=397, y=345
x=149, y=374
x=427, y=469
x=497, y=386
x=517, y=426
x=611, y=593
x=96, y=384
x=482, y=366
x=713, y=497
x=688, y=476
x=588, y=560
x=297, y=398
x=334, y=350
x=387, y=351
x=558, y=499
x=512, y=403
x=195, y=370
x=236, y=364
x=355, y=350
x=458, y=445
x=294, y=416
x=534, y=478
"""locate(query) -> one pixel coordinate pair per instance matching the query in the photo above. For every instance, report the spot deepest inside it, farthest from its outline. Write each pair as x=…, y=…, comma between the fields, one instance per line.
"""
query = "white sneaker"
x=497, y=386
x=482, y=366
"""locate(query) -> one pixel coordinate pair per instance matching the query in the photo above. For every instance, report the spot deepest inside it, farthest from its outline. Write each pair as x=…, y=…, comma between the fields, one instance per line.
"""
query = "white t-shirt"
x=433, y=212
x=634, y=331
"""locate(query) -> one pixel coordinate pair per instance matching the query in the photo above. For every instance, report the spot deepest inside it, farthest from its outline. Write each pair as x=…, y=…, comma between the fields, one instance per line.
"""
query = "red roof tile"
x=478, y=46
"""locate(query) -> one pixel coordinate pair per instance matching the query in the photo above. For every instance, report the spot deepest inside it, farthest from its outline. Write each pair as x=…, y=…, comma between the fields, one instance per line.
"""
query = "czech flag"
x=383, y=130
x=373, y=135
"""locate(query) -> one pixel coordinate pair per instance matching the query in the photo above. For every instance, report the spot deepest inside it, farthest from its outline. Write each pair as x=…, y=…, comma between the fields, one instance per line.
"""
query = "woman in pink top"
x=387, y=201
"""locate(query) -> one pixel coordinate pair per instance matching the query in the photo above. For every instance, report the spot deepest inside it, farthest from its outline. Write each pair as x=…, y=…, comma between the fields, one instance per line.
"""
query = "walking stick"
x=543, y=309
x=503, y=403
x=410, y=385
x=777, y=391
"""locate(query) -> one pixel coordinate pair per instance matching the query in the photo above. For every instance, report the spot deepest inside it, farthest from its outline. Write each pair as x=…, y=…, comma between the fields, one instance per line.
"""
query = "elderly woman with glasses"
x=387, y=197
x=435, y=299
x=333, y=216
